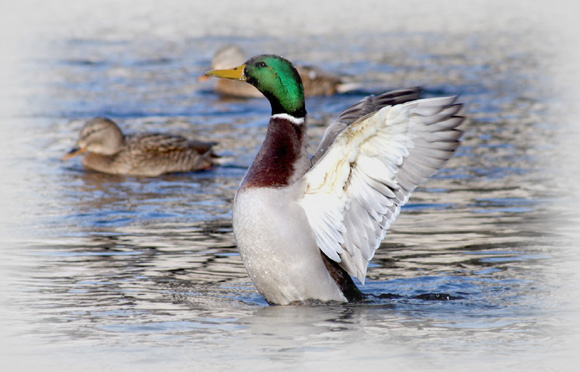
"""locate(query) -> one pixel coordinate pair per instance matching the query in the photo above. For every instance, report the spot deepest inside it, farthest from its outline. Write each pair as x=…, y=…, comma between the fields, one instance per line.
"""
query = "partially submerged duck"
x=305, y=225
x=316, y=82
x=108, y=150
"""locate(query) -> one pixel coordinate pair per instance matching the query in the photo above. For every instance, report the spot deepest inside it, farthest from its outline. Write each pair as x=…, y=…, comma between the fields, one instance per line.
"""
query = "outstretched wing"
x=356, y=188
x=365, y=107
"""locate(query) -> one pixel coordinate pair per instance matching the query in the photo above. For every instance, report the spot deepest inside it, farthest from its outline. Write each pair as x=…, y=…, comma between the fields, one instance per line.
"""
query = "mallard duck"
x=315, y=81
x=305, y=225
x=148, y=154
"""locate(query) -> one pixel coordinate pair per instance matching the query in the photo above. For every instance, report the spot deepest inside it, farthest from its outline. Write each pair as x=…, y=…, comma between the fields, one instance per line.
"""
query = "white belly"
x=278, y=247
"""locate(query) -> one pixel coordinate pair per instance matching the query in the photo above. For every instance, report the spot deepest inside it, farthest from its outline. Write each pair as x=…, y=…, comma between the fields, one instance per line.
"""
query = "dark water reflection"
x=144, y=273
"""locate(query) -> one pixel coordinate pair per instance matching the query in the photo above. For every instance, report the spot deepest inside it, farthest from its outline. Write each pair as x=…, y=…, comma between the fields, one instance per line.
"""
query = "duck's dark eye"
x=261, y=64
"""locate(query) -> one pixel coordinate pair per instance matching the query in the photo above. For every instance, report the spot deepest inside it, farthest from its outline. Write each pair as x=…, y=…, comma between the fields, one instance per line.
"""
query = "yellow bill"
x=236, y=73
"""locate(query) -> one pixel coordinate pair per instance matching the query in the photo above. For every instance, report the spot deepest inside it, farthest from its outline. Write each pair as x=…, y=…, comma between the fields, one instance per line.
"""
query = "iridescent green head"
x=275, y=77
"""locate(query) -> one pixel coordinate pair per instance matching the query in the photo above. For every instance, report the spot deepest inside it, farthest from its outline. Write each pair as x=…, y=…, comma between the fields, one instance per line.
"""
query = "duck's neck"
x=287, y=104
x=283, y=157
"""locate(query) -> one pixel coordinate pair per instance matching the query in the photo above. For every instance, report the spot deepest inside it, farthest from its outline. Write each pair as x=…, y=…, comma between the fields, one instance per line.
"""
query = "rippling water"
x=125, y=273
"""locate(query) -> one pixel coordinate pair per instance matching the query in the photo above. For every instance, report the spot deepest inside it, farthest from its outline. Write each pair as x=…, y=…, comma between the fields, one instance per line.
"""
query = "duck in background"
x=108, y=150
x=315, y=81
x=305, y=225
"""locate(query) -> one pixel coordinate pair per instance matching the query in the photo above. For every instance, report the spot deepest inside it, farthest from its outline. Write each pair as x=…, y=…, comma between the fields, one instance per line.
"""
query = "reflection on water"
x=144, y=273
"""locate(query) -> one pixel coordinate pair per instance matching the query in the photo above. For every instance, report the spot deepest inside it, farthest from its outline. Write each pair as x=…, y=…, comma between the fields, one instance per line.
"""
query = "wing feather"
x=365, y=107
x=365, y=172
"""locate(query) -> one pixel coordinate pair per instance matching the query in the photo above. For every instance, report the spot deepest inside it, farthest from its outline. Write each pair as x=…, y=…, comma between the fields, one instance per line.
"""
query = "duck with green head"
x=304, y=225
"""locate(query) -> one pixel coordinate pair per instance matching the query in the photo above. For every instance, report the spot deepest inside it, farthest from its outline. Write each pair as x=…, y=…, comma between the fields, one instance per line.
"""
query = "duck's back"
x=317, y=82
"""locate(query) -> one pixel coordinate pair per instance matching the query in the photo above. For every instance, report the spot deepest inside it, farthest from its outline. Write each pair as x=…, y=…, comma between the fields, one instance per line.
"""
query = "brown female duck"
x=316, y=82
x=108, y=150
